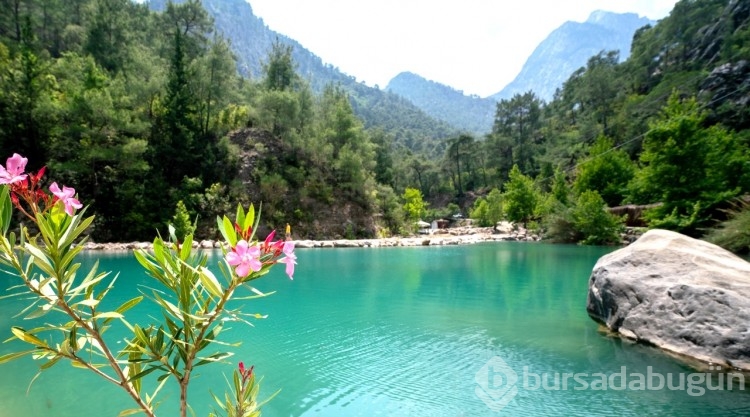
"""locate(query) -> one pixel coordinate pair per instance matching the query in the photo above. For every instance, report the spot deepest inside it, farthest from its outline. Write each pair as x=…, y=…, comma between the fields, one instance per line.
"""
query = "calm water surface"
x=400, y=332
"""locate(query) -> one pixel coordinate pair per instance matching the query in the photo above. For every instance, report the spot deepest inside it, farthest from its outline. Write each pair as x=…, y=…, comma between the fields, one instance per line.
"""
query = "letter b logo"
x=496, y=384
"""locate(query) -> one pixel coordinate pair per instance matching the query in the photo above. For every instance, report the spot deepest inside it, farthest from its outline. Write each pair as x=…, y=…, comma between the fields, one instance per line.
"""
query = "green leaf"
x=140, y=335
x=250, y=218
x=108, y=315
x=6, y=209
x=240, y=217
x=89, y=302
x=44, y=262
x=28, y=337
x=216, y=357
x=229, y=233
x=127, y=305
x=39, y=312
x=70, y=256
x=12, y=356
x=141, y=374
x=187, y=247
x=209, y=281
x=257, y=221
x=51, y=362
x=129, y=412
x=91, y=279
x=74, y=230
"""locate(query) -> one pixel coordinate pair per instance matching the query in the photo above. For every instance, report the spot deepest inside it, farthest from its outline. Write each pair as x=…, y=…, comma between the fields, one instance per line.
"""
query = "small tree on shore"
x=414, y=205
x=520, y=197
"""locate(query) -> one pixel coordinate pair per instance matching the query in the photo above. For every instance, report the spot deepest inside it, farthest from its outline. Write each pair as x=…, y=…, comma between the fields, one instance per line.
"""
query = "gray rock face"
x=680, y=294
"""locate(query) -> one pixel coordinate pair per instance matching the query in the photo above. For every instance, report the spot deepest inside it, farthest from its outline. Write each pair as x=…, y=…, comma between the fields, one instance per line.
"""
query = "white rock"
x=681, y=294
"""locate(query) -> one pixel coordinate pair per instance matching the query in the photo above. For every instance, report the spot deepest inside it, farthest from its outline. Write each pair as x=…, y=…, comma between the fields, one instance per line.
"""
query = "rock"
x=677, y=293
x=343, y=243
x=504, y=227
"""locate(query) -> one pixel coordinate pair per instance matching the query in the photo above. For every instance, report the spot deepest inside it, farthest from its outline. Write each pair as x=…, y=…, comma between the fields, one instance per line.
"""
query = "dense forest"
x=146, y=115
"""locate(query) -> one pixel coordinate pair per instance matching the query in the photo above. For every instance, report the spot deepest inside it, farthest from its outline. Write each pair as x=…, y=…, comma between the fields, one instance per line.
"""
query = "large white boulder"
x=678, y=293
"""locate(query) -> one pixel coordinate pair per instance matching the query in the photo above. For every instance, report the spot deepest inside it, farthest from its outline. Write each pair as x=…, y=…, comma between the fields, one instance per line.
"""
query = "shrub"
x=586, y=222
x=734, y=233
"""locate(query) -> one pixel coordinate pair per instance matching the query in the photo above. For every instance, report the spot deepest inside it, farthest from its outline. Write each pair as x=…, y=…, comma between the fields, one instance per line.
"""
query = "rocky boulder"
x=680, y=294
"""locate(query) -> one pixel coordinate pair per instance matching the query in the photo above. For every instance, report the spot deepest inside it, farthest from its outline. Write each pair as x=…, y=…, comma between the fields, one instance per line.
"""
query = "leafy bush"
x=587, y=222
x=488, y=210
x=592, y=220
x=734, y=233
x=181, y=222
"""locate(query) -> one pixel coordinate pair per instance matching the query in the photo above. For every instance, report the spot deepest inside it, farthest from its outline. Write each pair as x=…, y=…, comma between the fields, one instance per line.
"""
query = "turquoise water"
x=405, y=332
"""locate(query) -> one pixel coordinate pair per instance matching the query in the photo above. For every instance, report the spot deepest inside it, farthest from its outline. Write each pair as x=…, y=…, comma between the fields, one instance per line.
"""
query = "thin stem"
x=185, y=380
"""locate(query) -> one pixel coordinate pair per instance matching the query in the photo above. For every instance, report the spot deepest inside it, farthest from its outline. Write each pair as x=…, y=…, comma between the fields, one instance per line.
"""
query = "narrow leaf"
x=27, y=337
x=209, y=281
x=141, y=374
x=230, y=234
x=12, y=356
x=249, y=218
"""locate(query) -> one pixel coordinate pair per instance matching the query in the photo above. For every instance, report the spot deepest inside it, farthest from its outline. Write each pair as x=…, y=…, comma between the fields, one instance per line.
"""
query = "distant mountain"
x=471, y=114
x=251, y=41
x=569, y=47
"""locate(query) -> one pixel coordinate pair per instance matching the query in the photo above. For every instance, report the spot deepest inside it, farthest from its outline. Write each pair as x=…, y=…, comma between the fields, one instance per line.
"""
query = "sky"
x=475, y=46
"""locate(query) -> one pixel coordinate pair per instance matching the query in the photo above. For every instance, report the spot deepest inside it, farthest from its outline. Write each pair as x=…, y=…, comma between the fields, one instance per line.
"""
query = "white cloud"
x=473, y=45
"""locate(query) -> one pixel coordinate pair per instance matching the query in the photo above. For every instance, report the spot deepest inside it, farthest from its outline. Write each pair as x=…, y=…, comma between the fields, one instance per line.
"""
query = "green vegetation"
x=734, y=233
x=488, y=210
x=143, y=109
x=414, y=206
x=520, y=198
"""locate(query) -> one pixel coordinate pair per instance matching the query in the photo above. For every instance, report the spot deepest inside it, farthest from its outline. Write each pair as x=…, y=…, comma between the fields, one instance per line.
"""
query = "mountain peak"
x=605, y=18
x=569, y=47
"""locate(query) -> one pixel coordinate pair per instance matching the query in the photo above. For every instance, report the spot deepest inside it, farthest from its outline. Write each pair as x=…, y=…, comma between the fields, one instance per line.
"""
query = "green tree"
x=280, y=73
x=586, y=221
x=108, y=34
x=488, y=210
x=595, y=225
x=560, y=189
x=519, y=120
x=215, y=75
x=690, y=169
x=384, y=166
x=414, y=206
x=181, y=222
x=458, y=158
x=607, y=170
x=520, y=198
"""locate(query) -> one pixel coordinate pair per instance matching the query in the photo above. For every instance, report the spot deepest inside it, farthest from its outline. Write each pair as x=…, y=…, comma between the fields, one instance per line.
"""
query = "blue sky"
x=477, y=46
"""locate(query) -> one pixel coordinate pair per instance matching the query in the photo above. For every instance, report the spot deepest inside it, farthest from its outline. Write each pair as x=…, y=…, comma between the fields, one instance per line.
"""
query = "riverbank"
x=441, y=237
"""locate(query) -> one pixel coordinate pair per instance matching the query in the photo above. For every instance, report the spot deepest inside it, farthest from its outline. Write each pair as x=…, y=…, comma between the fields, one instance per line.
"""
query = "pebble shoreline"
x=457, y=236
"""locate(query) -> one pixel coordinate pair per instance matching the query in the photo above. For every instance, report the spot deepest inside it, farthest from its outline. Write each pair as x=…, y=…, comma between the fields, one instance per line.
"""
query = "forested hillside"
x=140, y=111
x=470, y=114
x=668, y=126
x=251, y=40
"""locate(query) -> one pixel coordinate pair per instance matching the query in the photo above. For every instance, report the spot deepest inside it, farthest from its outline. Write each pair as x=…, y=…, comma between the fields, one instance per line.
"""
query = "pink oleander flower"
x=290, y=259
x=12, y=172
x=246, y=373
x=67, y=196
x=269, y=246
x=245, y=258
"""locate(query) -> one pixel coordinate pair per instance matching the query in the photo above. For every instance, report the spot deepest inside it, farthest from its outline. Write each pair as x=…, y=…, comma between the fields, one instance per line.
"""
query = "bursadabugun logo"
x=496, y=384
